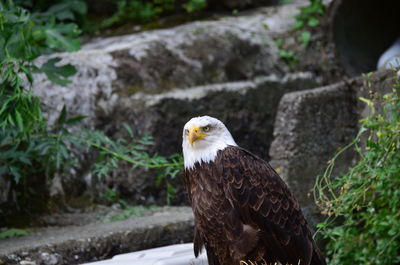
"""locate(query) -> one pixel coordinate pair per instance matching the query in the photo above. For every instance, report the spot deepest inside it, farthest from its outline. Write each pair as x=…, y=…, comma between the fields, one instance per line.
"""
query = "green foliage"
x=195, y=5
x=131, y=10
x=58, y=74
x=305, y=37
x=363, y=205
x=131, y=150
x=111, y=196
x=12, y=232
x=23, y=38
x=129, y=211
x=29, y=149
x=288, y=56
x=310, y=15
x=284, y=2
x=169, y=173
x=128, y=12
x=23, y=129
x=141, y=11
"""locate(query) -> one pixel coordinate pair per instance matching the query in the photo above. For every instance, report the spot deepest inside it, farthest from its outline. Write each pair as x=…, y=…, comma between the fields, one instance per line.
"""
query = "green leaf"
x=13, y=232
x=368, y=101
x=305, y=37
x=171, y=190
x=57, y=74
x=27, y=73
x=56, y=40
x=298, y=25
x=313, y=22
x=128, y=129
x=15, y=173
x=196, y=5
x=24, y=159
x=19, y=120
x=75, y=119
x=63, y=115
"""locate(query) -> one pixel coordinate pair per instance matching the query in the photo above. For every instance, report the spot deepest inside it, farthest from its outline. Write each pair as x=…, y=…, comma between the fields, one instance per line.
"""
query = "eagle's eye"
x=186, y=132
x=206, y=128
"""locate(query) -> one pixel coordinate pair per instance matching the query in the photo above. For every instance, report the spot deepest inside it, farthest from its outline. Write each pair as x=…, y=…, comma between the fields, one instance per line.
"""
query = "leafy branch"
x=362, y=205
x=31, y=151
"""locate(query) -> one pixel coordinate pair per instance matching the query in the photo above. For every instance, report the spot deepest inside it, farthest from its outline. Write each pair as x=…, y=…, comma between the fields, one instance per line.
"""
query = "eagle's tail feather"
x=212, y=258
x=317, y=257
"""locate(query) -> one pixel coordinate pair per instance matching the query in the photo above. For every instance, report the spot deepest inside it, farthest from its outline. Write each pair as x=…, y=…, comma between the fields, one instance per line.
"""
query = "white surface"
x=391, y=57
x=181, y=254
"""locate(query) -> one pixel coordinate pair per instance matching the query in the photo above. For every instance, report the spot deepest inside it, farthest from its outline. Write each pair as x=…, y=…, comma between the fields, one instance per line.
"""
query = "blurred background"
x=94, y=96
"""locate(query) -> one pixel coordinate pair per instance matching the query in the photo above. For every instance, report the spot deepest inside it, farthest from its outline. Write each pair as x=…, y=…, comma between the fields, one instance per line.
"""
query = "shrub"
x=31, y=152
x=141, y=11
x=363, y=205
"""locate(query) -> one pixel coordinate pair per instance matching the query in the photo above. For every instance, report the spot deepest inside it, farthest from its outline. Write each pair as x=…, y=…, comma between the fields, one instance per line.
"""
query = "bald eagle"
x=244, y=212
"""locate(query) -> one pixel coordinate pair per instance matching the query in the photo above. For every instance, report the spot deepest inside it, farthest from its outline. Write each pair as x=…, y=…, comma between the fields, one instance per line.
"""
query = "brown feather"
x=244, y=211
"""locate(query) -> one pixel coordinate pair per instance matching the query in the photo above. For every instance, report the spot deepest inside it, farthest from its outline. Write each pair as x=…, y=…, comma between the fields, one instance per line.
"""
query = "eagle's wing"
x=264, y=202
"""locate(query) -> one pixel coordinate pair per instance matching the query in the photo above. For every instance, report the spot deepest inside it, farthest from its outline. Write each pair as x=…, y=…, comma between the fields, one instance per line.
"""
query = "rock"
x=155, y=81
x=94, y=241
x=27, y=262
x=117, y=75
x=50, y=259
x=198, y=53
x=248, y=109
x=56, y=189
x=312, y=125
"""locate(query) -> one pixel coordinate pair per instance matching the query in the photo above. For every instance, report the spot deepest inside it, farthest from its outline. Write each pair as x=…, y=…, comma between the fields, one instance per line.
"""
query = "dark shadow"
x=363, y=30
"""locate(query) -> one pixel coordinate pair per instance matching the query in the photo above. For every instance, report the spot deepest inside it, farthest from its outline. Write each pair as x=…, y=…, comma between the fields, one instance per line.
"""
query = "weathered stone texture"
x=248, y=109
x=198, y=53
x=77, y=244
x=310, y=127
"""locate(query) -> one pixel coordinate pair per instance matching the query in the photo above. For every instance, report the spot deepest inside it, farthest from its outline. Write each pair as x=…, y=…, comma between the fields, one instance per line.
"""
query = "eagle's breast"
x=217, y=222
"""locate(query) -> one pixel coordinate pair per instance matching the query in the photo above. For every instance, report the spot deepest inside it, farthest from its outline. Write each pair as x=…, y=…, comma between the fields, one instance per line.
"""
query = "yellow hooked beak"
x=195, y=133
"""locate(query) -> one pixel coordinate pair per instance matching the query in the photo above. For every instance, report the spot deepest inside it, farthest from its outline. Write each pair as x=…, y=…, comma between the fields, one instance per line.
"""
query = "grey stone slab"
x=77, y=244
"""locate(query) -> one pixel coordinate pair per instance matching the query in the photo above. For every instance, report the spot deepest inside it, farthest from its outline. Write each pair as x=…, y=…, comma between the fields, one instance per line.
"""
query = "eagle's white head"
x=202, y=138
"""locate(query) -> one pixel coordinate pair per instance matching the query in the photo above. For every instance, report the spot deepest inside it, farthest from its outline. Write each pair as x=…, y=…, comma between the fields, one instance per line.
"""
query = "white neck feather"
x=205, y=152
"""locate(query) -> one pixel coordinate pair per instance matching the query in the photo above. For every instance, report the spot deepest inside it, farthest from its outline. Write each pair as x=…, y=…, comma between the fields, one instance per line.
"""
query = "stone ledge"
x=78, y=244
x=194, y=54
x=311, y=125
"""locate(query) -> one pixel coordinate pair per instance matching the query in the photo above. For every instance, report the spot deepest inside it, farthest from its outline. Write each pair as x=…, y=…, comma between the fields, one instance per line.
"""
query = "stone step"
x=248, y=108
x=77, y=244
x=198, y=53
